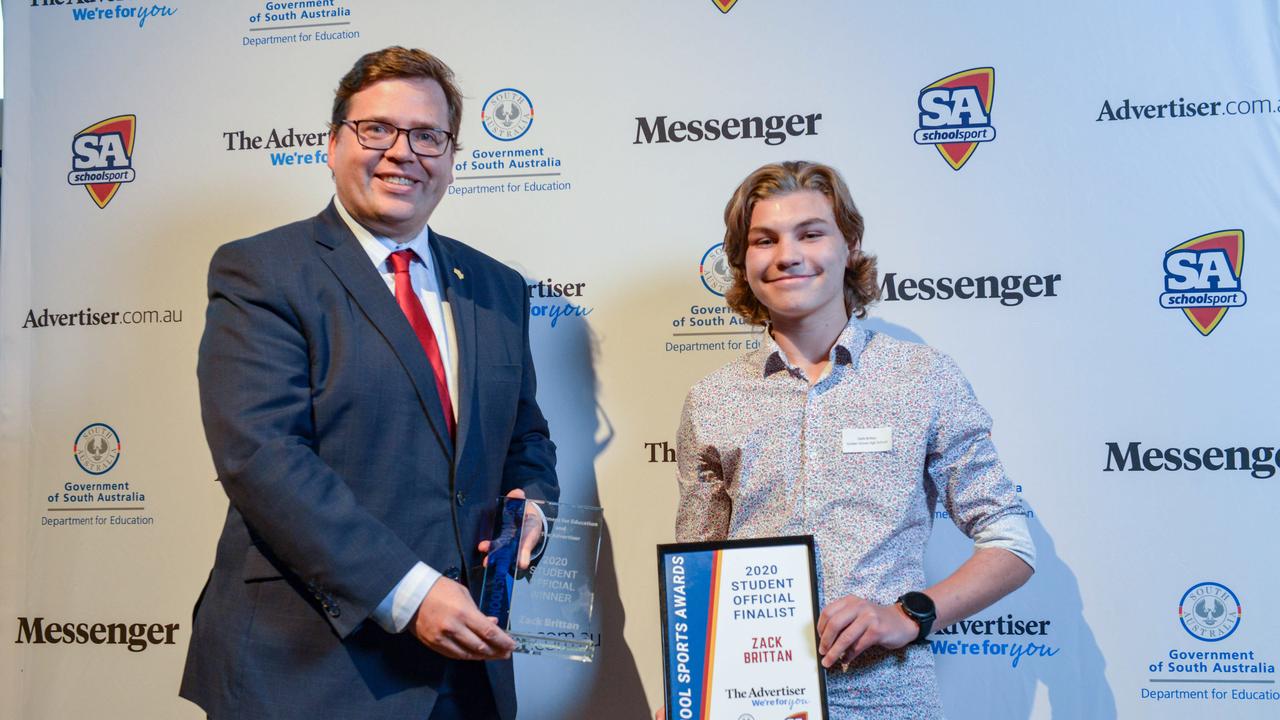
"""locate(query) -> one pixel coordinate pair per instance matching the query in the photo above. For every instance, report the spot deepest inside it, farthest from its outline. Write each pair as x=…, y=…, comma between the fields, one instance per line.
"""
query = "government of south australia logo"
x=102, y=157
x=1209, y=611
x=955, y=114
x=97, y=449
x=507, y=114
x=714, y=270
x=1202, y=277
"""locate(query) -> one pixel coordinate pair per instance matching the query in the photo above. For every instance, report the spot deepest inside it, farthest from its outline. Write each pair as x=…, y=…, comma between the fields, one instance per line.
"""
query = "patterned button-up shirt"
x=761, y=454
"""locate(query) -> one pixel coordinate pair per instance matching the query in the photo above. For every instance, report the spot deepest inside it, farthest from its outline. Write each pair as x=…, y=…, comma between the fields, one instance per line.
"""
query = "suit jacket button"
x=461, y=497
x=453, y=573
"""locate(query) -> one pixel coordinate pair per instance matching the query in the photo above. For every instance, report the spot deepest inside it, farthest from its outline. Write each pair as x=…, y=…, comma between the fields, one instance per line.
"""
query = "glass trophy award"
x=546, y=606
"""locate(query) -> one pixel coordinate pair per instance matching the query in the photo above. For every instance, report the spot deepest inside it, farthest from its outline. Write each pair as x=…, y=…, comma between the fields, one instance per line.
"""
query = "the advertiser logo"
x=955, y=114
x=1209, y=611
x=714, y=270
x=100, y=11
x=284, y=147
x=102, y=157
x=136, y=637
x=1013, y=639
x=507, y=114
x=97, y=449
x=725, y=5
x=1202, y=278
x=1130, y=109
x=556, y=300
x=88, y=317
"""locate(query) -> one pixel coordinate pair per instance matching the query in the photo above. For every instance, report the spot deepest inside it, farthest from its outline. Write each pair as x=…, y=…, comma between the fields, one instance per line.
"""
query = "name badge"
x=864, y=440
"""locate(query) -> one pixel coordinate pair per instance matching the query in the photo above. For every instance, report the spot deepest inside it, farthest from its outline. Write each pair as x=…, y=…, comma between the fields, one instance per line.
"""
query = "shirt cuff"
x=397, y=608
x=1008, y=533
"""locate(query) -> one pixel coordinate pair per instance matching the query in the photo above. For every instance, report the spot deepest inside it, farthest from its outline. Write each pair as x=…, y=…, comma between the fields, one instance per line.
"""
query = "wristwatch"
x=919, y=607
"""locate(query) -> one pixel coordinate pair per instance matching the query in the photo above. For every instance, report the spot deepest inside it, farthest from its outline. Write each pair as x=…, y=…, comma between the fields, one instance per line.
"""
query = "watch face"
x=918, y=603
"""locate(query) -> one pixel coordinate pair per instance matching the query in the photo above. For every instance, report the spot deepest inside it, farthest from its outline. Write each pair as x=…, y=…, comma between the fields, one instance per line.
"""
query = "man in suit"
x=367, y=391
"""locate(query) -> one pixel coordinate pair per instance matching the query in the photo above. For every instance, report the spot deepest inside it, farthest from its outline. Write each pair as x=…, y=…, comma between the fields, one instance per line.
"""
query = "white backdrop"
x=1126, y=533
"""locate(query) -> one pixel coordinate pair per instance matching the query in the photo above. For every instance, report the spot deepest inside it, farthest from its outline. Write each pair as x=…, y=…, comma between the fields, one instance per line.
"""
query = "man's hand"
x=530, y=532
x=850, y=625
x=449, y=622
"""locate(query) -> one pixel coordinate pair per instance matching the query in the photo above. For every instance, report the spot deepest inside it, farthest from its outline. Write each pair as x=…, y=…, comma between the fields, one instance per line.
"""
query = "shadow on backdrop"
x=1063, y=656
x=1003, y=683
x=894, y=331
x=564, y=352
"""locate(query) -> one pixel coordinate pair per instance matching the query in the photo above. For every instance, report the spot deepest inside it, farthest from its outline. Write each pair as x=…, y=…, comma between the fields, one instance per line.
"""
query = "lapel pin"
x=458, y=272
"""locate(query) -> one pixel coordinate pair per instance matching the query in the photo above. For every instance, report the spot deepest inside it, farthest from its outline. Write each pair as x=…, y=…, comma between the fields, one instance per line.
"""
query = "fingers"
x=530, y=534
x=835, y=618
x=492, y=640
x=449, y=622
x=851, y=625
x=839, y=647
x=528, y=541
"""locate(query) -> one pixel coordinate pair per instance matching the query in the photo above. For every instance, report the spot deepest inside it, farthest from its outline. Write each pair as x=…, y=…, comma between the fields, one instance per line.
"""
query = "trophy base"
x=561, y=647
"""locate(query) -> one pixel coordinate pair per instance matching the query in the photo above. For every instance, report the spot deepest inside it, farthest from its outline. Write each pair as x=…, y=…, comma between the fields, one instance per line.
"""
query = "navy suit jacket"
x=327, y=433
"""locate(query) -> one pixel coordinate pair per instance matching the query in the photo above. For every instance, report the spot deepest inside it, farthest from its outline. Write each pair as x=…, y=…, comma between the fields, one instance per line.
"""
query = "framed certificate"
x=739, y=630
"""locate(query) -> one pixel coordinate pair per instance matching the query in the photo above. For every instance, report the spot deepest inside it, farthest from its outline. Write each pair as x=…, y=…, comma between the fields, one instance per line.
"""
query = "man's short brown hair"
x=860, y=282
x=397, y=62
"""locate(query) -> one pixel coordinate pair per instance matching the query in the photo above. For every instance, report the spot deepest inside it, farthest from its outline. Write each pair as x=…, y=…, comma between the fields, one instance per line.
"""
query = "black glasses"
x=378, y=135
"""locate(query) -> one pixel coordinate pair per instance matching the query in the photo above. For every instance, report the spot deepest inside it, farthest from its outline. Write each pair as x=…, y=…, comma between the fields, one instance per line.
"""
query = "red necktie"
x=412, y=307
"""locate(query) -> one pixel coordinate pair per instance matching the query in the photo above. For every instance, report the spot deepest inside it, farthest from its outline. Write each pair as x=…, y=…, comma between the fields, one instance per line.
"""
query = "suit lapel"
x=351, y=265
x=457, y=291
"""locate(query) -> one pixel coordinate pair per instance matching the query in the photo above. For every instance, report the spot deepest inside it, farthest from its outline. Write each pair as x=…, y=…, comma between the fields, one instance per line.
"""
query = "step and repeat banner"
x=1077, y=202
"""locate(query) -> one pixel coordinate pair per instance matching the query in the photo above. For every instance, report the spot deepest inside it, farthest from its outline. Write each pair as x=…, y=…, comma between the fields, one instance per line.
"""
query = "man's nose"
x=788, y=252
x=400, y=149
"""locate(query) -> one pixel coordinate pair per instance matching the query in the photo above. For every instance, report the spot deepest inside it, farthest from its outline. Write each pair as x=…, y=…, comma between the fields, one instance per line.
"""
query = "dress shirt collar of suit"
x=380, y=248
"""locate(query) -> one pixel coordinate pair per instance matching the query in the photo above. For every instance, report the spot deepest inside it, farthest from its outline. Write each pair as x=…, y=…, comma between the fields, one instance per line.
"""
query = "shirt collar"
x=847, y=348
x=379, y=248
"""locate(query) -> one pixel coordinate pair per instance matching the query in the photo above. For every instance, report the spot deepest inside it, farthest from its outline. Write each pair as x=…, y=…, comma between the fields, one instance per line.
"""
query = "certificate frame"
x=736, y=641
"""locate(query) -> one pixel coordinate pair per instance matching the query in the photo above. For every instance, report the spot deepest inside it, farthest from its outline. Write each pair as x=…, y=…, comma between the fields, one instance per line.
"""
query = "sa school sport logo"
x=1202, y=278
x=102, y=157
x=955, y=114
x=725, y=5
x=1209, y=611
